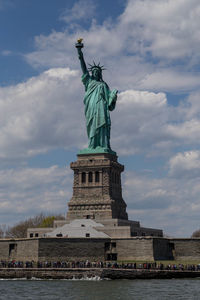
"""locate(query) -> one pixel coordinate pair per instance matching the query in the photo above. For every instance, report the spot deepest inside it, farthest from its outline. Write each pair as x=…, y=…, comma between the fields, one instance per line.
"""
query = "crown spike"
x=98, y=66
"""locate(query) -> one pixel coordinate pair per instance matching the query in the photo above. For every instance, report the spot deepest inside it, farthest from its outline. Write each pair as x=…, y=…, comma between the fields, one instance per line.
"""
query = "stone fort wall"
x=99, y=249
x=19, y=249
x=71, y=249
x=186, y=248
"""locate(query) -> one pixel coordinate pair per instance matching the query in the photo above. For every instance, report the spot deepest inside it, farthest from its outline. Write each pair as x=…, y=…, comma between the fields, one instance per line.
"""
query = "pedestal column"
x=100, y=196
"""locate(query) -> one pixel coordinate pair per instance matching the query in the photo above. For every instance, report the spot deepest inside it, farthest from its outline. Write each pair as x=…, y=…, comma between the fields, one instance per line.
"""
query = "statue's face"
x=96, y=73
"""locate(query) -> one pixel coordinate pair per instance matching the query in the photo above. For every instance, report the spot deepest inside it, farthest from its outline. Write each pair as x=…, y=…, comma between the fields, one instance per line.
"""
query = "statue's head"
x=96, y=71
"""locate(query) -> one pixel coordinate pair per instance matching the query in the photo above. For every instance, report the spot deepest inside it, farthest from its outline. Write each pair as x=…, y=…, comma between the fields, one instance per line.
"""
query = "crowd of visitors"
x=88, y=264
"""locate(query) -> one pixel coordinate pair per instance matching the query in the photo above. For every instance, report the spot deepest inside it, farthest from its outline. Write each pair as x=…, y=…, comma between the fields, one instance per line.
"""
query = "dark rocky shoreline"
x=89, y=273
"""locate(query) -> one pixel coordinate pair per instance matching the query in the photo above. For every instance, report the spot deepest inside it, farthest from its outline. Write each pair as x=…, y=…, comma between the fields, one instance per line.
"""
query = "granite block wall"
x=97, y=249
x=134, y=249
x=72, y=249
x=19, y=249
x=4, y=250
x=186, y=249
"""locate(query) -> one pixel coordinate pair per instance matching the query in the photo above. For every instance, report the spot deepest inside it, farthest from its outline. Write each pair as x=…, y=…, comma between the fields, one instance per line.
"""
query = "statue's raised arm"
x=79, y=45
x=99, y=100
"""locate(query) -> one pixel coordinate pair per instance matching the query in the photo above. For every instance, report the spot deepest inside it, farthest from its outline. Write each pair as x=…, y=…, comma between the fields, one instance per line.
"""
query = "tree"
x=20, y=229
x=48, y=221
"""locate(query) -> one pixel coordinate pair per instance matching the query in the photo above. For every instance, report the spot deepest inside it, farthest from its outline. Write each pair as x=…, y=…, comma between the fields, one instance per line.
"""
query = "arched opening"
x=96, y=176
x=83, y=177
x=90, y=177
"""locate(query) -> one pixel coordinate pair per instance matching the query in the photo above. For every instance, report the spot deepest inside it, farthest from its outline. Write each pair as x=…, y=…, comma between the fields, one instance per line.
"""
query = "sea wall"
x=103, y=273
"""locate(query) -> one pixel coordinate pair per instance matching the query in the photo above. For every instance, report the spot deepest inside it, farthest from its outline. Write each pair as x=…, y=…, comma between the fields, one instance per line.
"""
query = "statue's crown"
x=95, y=66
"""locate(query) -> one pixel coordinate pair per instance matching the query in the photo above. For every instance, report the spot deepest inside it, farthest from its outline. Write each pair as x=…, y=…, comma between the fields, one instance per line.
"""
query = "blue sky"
x=151, y=50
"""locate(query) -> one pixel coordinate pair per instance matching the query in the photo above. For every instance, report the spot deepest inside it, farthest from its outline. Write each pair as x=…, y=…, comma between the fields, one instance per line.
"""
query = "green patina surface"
x=96, y=150
x=99, y=100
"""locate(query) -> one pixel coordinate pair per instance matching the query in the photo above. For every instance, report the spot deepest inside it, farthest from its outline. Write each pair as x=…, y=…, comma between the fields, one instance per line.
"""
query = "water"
x=100, y=289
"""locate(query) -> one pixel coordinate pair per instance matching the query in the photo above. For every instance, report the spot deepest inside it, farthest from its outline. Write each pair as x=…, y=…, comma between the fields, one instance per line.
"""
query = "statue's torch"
x=79, y=43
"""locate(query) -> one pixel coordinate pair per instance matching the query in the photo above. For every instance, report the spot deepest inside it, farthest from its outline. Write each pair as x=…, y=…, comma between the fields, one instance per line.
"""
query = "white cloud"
x=143, y=48
x=26, y=192
x=166, y=28
x=41, y=114
x=192, y=106
x=81, y=10
x=186, y=164
x=186, y=132
x=60, y=73
x=169, y=80
x=163, y=202
x=139, y=121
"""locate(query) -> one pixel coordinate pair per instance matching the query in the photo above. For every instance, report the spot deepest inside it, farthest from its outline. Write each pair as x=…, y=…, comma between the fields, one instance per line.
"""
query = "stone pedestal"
x=97, y=192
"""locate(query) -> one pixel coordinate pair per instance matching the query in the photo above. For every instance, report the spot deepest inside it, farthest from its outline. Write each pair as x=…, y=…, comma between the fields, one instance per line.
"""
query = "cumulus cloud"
x=168, y=29
x=143, y=47
x=163, y=202
x=40, y=114
x=169, y=80
x=186, y=164
x=192, y=106
x=26, y=192
x=81, y=10
x=139, y=121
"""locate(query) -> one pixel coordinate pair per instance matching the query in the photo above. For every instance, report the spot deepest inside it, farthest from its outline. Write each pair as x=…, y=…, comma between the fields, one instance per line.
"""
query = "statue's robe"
x=98, y=101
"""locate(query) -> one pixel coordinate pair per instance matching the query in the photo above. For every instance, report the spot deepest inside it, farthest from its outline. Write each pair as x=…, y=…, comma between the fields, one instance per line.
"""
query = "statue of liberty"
x=98, y=101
